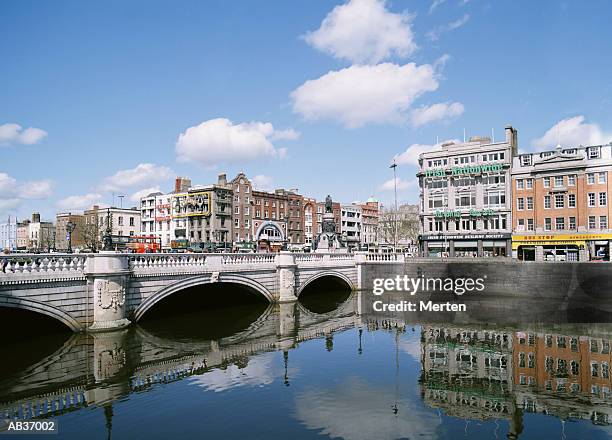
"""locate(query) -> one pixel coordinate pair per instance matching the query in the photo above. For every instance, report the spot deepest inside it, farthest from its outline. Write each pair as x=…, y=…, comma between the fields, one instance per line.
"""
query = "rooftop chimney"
x=222, y=180
x=182, y=184
x=36, y=217
x=512, y=139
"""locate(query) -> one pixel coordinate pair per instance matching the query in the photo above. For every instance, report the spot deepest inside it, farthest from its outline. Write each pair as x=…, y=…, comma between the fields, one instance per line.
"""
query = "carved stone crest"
x=111, y=294
x=288, y=279
x=214, y=277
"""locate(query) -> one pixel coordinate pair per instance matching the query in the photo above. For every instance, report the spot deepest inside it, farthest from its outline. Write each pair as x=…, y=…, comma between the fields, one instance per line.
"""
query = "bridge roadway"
x=109, y=290
x=101, y=367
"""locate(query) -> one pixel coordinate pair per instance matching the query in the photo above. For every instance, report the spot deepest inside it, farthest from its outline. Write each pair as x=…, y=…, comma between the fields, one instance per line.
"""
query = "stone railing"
x=166, y=260
x=236, y=259
x=24, y=264
x=385, y=258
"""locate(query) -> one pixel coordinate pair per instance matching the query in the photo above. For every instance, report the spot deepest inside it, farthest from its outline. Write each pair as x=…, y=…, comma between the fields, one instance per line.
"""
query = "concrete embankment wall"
x=507, y=277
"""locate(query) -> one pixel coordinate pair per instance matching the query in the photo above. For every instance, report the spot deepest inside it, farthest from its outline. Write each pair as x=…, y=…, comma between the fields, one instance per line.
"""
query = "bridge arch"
x=42, y=308
x=326, y=273
x=186, y=283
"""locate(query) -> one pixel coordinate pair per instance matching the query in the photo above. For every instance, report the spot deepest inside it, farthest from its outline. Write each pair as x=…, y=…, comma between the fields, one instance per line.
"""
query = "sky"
x=119, y=97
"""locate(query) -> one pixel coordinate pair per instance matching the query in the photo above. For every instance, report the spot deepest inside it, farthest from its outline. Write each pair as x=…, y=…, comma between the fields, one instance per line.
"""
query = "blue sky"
x=122, y=96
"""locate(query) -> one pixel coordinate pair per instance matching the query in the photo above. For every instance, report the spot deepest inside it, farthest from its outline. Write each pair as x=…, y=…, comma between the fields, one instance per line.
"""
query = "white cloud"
x=572, y=132
x=435, y=33
x=12, y=192
x=363, y=31
x=80, y=202
x=288, y=135
x=143, y=193
x=436, y=112
x=263, y=183
x=38, y=189
x=142, y=174
x=12, y=133
x=411, y=155
x=220, y=140
x=359, y=95
x=9, y=204
x=401, y=184
x=435, y=4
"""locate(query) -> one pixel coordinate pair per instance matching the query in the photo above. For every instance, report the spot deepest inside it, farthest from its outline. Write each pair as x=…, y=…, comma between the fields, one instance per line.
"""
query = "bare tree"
x=90, y=233
x=408, y=227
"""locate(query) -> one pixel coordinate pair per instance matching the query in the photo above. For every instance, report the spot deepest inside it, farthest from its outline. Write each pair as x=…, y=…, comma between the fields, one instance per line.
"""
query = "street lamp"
x=70, y=227
x=394, y=166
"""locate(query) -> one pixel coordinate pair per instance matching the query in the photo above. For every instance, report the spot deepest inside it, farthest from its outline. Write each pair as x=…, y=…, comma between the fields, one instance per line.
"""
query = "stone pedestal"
x=108, y=277
x=285, y=264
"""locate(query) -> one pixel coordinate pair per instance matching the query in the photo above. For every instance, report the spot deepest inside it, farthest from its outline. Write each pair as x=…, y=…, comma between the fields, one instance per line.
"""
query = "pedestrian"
x=4, y=261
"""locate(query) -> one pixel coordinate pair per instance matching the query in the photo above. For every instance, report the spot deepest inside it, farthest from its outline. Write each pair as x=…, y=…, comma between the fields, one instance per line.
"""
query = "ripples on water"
x=315, y=369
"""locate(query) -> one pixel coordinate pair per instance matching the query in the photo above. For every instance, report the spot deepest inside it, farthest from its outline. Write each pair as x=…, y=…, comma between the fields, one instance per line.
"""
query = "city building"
x=61, y=231
x=202, y=216
x=350, y=225
x=8, y=234
x=269, y=227
x=310, y=222
x=125, y=223
x=369, y=222
x=35, y=234
x=561, y=208
x=465, y=203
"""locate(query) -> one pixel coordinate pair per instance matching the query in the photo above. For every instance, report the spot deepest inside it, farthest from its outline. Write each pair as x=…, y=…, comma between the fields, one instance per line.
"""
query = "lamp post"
x=70, y=227
x=394, y=166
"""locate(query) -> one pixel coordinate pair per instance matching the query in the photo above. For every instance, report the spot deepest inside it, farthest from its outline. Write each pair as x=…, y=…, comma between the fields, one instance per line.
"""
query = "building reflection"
x=481, y=373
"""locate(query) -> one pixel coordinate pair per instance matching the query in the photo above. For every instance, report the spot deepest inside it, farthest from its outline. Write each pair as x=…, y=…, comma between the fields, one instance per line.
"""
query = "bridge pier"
x=108, y=276
x=286, y=267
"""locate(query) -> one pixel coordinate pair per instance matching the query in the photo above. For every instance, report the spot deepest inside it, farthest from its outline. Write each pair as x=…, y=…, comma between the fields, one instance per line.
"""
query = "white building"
x=8, y=234
x=466, y=203
x=351, y=224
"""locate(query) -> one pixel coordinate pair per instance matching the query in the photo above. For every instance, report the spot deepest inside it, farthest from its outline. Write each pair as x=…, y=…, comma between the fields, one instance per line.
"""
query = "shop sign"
x=542, y=238
x=467, y=170
x=457, y=214
x=467, y=237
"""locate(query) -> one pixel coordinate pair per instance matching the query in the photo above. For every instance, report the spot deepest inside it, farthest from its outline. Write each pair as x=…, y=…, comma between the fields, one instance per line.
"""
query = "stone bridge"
x=109, y=290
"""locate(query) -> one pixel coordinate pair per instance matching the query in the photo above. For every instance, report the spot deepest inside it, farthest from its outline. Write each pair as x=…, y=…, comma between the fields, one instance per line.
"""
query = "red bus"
x=141, y=244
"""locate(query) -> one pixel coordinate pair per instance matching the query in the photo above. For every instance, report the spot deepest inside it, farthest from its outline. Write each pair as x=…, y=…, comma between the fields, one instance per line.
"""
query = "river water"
x=316, y=369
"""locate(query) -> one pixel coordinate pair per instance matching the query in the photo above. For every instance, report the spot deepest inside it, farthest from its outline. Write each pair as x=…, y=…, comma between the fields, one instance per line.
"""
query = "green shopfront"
x=466, y=245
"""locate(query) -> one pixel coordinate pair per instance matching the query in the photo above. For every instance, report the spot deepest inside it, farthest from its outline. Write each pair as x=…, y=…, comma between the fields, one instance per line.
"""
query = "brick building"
x=61, y=231
x=560, y=204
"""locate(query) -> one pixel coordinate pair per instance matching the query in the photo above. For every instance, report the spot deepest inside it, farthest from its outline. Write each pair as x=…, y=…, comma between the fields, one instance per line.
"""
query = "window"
x=561, y=366
x=594, y=346
x=594, y=369
x=605, y=370
x=601, y=177
x=575, y=368
x=591, y=200
x=603, y=222
x=246, y=210
x=520, y=184
x=531, y=360
x=520, y=203
x=546, y=181
x=120, y=221
x=521, y=224
x=592, y=224
x=237, y=210
x=466, y=200
x=572, y=223
x=561, y=342
x=530, y=203
x=571, y=180
x=591, y=178
x=522, y=360
x=548, y=364
x=131, y=221
x=547, y=224
x=546, y=202
x=236, y=222
x=574, y=344
x=571, y=200
x=558, y=181
x=559, y=201
x=593, y=152
x=560, y=223
x=603, y=199
x=530, y=224
x=526, y=160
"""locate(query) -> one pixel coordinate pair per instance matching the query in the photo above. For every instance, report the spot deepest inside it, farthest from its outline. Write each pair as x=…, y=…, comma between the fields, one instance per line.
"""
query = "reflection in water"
x=361, y=377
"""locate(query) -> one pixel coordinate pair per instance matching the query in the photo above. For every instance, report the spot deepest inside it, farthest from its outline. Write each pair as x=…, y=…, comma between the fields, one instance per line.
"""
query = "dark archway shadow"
x=28, y=337
x=205, y=312
x=325, y=294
